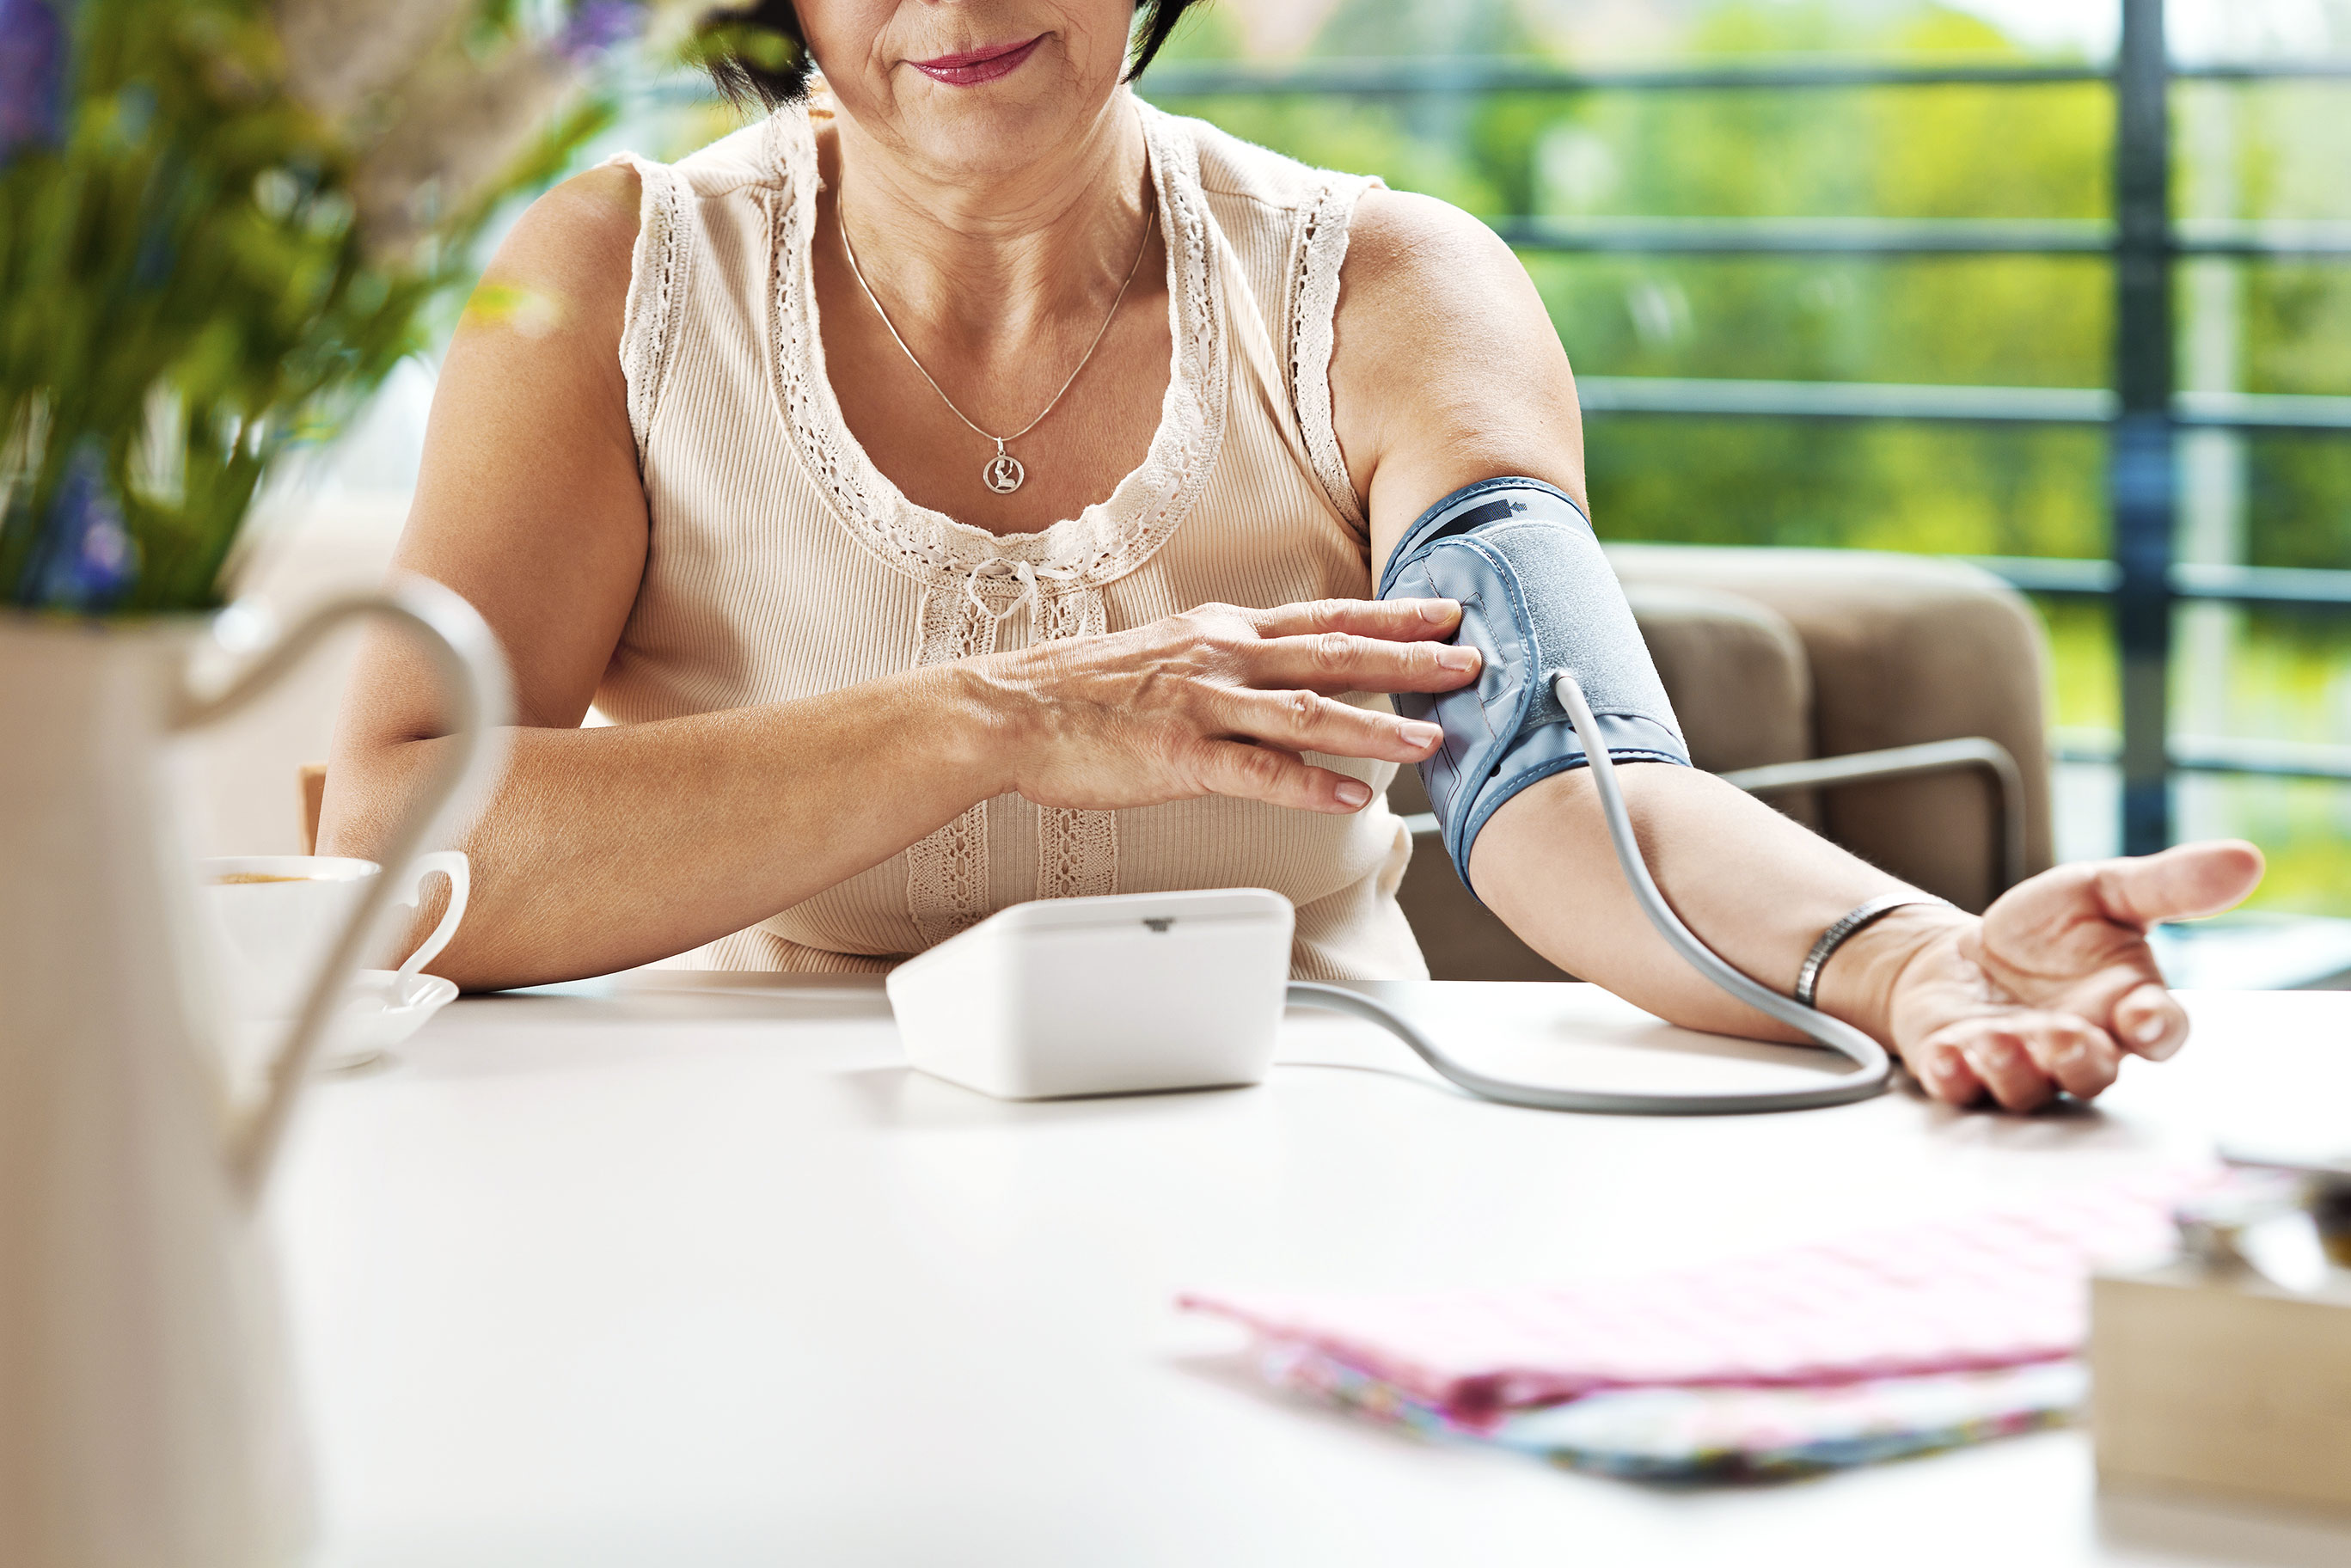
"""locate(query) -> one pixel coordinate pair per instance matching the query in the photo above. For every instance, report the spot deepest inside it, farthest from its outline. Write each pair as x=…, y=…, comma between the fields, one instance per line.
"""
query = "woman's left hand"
x=2055, y=983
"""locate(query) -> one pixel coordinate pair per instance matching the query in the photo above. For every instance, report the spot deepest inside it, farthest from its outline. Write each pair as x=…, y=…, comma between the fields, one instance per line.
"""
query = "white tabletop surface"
x=697, y=1272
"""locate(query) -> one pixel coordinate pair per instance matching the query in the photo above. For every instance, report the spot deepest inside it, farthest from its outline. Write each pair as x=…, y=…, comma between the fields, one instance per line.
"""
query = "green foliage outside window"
x=2040, y=153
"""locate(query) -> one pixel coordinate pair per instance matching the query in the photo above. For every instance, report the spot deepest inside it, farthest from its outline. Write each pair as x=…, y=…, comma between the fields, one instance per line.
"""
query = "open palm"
x=2056, y=982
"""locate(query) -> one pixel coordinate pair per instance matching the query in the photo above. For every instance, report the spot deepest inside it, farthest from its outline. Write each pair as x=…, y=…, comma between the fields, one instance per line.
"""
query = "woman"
x=968, y=488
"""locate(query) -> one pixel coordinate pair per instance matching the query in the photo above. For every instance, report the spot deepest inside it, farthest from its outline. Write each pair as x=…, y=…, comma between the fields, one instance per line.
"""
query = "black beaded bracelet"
x=1852, y=920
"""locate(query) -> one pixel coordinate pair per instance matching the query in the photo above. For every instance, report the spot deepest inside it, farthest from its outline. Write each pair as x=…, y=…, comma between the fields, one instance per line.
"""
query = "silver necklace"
x=1003, y=473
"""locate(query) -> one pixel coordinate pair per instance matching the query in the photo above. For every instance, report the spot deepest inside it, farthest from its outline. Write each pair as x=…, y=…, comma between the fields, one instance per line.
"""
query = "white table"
x=703, y=1276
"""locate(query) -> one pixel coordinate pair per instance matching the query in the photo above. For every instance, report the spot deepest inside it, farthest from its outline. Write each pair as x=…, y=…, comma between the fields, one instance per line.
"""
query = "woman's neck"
x=981, y=261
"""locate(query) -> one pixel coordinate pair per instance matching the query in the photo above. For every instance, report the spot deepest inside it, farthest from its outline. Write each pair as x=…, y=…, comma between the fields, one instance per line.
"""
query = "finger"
x=1389, y=619
x=1942, y=1067
x=1269, y=774
x=1998, y=1055
x=2179, y=883
x=2150, y=1021
x=1344, y=662
x=1304, y=721
x=2077, y=1056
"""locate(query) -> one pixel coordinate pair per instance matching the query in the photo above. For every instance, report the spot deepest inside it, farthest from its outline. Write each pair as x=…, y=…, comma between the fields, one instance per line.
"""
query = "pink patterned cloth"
x=2003, y=1288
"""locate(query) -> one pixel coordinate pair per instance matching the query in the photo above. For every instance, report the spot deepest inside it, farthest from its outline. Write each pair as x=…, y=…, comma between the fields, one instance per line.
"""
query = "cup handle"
x=453, y=864
x=472, y=671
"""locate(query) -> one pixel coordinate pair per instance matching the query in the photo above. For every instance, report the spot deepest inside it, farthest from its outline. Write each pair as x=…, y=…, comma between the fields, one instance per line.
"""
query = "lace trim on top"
x=1315, y=307
x=656, y=299
x=1103, y=542
x=975, y=580
x=1077, y=852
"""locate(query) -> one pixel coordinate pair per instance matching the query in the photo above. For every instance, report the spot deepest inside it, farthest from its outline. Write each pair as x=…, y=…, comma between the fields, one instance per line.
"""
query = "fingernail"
x=1437, y=612
x=1944, y=1079
x=1353, y=792
x=1421, y=735
x=1452, y=658
x=2151, y=1043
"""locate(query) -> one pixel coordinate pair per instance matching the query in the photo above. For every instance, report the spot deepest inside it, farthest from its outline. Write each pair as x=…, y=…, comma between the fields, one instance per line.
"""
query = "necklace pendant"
x=1003, y=473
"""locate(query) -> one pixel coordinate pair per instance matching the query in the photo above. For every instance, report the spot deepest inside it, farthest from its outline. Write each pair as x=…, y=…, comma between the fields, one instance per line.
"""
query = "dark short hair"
x=757, y=57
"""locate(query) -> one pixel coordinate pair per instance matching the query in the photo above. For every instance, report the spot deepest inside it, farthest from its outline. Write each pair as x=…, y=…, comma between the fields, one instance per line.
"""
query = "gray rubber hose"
x=1875, y=1069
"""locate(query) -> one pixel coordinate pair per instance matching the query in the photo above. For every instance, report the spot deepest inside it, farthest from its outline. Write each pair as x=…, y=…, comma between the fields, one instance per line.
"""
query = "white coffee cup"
x=275, y=917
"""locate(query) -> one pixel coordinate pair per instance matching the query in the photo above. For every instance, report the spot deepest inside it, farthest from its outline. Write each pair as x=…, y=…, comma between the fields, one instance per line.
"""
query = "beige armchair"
x=1891, y=702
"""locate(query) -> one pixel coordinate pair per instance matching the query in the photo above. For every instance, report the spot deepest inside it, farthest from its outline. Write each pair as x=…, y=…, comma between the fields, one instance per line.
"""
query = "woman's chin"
x=980, y=139
x=994, y=128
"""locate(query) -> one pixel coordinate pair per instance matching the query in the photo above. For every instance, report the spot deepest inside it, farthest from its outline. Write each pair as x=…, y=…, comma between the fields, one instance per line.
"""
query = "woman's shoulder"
x=755, y=157
x=1446, y=355
x=1402, y=244
x=588, y=225
x=572, y=245
x=1231, y=167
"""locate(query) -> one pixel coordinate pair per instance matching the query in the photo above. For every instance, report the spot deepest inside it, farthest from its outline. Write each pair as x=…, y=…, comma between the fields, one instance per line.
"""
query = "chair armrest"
x=1974, y=751
x=1902, y=649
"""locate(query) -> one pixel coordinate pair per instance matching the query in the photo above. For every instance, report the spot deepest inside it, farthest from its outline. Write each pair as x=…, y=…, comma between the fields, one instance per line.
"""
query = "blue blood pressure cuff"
x=1536, y=597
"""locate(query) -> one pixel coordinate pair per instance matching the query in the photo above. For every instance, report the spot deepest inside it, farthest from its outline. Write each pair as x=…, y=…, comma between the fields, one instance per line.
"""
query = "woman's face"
x=968, y=89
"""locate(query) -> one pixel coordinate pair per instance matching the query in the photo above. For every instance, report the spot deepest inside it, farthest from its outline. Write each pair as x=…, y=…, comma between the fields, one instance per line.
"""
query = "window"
x=1904, y=278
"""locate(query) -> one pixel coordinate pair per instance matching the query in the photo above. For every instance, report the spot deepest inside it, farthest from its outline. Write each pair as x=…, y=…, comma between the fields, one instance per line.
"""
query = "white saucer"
x=383, y=1008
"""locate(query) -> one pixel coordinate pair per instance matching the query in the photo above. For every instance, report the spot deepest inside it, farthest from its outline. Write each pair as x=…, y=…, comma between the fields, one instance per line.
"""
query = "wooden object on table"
x=312, y=776
x=2221, y=1382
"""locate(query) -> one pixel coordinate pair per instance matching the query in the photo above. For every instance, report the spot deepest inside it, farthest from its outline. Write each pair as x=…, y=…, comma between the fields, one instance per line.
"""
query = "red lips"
x=973, y=67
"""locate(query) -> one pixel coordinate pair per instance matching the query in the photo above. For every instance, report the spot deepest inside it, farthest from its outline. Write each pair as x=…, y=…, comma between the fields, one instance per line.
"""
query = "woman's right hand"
x=1221, y=701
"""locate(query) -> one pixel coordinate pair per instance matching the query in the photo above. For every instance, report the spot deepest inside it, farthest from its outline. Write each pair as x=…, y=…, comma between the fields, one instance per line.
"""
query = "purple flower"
x=84, y=559
x=32, y=74
x=596, y=26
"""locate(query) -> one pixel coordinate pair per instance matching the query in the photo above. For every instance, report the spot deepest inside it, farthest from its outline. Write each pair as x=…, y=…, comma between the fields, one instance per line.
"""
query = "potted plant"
x=222, y=223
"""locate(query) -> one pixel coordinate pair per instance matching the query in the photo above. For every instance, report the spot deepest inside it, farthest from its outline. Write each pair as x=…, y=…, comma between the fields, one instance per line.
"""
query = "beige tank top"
x=784, y=565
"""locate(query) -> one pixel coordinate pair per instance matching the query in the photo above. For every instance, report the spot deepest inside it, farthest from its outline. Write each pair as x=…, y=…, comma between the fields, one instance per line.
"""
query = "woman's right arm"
x=610, y=847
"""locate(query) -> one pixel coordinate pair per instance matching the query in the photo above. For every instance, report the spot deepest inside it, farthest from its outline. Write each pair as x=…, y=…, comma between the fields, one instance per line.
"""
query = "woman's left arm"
x=1446, y=371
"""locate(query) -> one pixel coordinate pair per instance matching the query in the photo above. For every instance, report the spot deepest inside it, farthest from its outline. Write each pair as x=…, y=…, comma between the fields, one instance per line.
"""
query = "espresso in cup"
x=276, y=918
